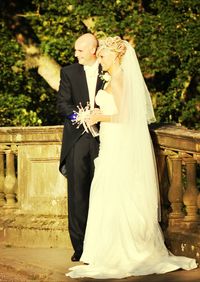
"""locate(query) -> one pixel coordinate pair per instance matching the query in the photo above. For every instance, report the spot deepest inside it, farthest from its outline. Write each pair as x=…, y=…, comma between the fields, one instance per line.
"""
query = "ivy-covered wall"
x=165, y=35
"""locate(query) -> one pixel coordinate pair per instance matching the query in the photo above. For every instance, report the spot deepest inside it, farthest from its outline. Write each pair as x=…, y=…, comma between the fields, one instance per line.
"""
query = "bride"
x=123, y=237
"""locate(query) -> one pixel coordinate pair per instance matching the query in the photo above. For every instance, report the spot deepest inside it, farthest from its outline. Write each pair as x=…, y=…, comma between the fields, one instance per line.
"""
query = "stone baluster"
x=163, y=186
x=198, y=198
x=191, y=192
x=198, y=201
x=10, y=180
x=2, y=179
x=175, y=194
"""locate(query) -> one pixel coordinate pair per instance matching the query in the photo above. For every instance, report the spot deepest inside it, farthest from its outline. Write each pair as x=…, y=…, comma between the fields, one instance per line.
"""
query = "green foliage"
x=25, y=98
x=13, y=101
x=165, y=35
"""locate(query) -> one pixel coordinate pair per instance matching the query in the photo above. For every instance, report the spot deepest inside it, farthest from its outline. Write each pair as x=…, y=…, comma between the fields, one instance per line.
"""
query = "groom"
x=79, y=84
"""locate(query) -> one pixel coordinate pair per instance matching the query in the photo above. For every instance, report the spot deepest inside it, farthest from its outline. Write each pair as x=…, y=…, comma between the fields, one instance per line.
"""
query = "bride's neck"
x=114, y=70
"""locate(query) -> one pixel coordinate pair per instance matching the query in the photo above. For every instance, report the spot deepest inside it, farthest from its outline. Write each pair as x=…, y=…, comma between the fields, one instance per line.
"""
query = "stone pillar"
x=175, y=194
x=191, y=193
x=2, y=179
x=10, y=180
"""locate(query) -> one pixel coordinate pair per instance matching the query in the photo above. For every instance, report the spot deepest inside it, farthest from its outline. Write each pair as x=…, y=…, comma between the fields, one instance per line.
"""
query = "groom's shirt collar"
x=92, y=68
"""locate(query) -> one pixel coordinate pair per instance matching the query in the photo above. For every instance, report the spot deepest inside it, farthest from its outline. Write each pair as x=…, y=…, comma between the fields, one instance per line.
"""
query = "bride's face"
x=106, y=58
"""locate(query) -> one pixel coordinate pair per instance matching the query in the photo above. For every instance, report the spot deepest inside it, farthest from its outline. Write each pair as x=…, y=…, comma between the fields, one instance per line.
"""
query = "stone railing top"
x=176, y=137
x=32, y=134
x=169, y=136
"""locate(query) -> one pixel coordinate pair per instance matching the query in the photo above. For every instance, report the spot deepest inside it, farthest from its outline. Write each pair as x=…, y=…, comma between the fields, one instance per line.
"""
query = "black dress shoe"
x=75, y=257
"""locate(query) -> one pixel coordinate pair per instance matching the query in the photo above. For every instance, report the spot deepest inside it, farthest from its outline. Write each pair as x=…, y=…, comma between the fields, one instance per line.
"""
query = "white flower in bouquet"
x=82, y=116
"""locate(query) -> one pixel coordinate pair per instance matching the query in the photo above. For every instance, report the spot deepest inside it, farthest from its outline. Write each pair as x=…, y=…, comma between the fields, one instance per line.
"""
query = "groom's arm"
x=65, y=104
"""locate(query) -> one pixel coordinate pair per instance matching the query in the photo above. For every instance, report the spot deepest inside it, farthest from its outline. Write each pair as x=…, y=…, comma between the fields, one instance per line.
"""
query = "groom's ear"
x=93, y=51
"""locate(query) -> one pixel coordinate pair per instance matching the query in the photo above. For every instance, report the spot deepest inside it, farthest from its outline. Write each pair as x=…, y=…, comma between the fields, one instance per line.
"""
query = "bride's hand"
x=96, y=111
x=94, y=117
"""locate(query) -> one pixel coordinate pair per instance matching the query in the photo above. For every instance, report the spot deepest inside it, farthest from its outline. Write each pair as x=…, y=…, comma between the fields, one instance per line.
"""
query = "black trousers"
x=80, y=171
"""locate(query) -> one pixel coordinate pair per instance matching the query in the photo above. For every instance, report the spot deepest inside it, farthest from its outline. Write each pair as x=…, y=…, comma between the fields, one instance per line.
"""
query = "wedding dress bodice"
x=109, y=131
x=106, y=102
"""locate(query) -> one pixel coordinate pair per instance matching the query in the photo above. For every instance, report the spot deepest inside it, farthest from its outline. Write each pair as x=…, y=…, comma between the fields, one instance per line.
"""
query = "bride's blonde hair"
x=115, y=44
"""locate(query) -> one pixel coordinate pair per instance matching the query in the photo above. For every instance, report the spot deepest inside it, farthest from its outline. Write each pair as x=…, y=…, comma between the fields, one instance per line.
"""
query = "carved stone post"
x=2, y=179
x=175, y=194
x=10, y=180
x=191, y=193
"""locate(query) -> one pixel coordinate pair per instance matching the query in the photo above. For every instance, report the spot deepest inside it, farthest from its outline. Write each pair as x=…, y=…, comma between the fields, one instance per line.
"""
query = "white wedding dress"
x=123, y=237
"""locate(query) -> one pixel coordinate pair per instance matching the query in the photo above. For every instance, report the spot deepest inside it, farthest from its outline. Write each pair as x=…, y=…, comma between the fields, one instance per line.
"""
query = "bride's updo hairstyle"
x=115, y=44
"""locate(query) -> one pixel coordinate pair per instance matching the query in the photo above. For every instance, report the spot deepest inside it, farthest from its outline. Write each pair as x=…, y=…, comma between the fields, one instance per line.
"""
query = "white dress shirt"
x=91, y=76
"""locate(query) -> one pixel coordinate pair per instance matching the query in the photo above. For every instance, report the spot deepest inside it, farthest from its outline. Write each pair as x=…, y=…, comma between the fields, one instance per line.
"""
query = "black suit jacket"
x=73, y=90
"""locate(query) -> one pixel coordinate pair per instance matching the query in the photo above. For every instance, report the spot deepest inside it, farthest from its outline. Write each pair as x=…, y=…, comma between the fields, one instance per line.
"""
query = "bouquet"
x=81, y=117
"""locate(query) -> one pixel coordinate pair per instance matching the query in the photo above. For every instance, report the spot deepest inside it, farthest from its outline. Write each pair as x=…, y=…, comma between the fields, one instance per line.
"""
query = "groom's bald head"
x=85, y=49
x=88, y=39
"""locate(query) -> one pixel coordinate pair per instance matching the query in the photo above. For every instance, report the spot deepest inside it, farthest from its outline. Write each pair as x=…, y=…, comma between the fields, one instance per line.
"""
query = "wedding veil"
x=136, y=100
x=136, y=149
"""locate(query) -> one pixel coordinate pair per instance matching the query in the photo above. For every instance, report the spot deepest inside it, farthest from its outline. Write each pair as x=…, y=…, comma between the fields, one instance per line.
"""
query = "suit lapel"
x=99, y=81
x=99, y=85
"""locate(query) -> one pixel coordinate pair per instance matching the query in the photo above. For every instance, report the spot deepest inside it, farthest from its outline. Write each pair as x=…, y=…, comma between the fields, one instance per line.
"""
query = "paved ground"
x=23, y=265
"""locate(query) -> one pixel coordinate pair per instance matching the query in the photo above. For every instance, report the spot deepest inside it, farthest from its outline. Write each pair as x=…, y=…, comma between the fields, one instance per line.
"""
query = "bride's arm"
x=96, y=116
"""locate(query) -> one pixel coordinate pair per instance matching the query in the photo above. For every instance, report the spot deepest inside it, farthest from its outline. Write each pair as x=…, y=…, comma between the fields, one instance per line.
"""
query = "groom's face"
x=84, y=52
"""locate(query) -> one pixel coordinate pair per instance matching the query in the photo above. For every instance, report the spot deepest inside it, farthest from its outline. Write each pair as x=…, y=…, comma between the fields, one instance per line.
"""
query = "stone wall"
x=33, y=205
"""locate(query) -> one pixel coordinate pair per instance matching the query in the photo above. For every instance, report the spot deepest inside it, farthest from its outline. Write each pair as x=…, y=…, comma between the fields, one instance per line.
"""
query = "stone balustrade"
x=178, y=157
x=33, y=198
x=178, y=154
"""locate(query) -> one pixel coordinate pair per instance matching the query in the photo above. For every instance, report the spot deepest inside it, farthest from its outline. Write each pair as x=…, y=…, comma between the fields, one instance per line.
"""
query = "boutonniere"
x=105, y=76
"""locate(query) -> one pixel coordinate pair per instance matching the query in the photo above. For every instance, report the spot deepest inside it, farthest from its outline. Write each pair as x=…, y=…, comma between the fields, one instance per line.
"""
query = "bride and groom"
x=122, y=236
